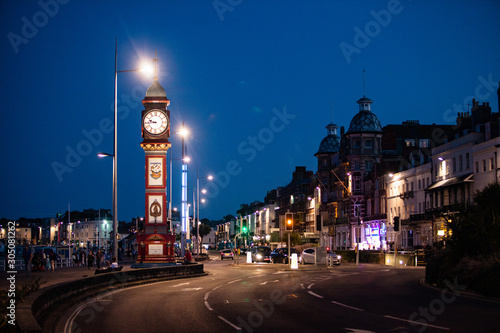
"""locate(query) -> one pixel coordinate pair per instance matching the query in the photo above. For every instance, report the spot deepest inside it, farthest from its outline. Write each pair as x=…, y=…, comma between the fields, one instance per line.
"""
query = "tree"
x=477, y=231
x=294, y=238
x=204, y=230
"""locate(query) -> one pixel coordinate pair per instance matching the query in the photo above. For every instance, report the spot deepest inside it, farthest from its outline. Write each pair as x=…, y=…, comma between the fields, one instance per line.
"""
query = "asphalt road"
x=268, y=298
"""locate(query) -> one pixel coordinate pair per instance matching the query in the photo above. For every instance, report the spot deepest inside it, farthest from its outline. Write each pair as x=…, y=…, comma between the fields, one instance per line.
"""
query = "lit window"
x=410, y=142
x=424, y=143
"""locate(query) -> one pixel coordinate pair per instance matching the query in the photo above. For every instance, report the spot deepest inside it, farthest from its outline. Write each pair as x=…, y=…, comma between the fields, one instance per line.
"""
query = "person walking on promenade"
x=83, y=259
x=98, y=259
x=90, y=259
x=28, y=256
x=53, y=259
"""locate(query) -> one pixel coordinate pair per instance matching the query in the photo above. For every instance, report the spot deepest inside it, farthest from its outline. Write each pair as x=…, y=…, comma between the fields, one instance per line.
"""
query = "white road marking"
x=418, y=323
x=234, y=281
x=182, y=284
x=191, y=289
x=347, y=306
x=264, y=283
x=309, y=286
x=314, y=294
x=217, y=287
x=238, y=329
x=206, y=301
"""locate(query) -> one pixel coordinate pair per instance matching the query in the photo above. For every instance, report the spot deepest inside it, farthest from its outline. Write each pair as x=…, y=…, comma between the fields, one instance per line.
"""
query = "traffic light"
x=244, y=226
x=244, y=229
x=288, y=221
x=396, y=223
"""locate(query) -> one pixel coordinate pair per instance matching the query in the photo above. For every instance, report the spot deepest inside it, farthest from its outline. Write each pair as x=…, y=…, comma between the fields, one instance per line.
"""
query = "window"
x=477, y=167
x=492, y=164
x=435, y=170
x=467, y=164
x=410, y=142
x=369, y=165
x=369, y=143
x=424, y=143
x=324, y=162
x=484, y=165
x=412, y=186
x=460, y=163
x=454, y=164
x=428, y=181
x=357, y=143
x=419, y=184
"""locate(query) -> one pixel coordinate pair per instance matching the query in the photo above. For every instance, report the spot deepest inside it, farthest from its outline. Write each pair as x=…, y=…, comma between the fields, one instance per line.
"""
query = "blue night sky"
x=254, y=81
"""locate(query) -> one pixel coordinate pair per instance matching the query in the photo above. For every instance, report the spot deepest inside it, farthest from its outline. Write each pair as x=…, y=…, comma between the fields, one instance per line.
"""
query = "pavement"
x=49, y=278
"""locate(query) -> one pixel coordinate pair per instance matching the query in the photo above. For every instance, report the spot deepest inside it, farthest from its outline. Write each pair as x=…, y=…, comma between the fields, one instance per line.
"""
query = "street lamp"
x=186, y=159
x=197, y=217
x=183, y=132
x=115, y=153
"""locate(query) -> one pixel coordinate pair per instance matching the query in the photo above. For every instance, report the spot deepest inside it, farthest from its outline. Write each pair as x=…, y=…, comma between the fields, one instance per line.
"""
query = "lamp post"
x=184, y=206
x=186, y=159
x=197, y=217
x=115, y=153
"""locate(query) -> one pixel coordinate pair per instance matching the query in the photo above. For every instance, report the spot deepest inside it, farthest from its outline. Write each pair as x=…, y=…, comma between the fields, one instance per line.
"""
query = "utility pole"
x=357, y=238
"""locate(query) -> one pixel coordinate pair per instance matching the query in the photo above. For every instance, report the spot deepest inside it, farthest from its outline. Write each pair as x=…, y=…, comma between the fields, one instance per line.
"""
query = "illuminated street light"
x=115, y=153
x=197, y=218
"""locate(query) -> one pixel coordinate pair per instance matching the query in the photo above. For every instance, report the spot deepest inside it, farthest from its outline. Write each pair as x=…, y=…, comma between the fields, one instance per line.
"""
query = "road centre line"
x=418, y=323
x=238, y=329
x=347, y=306
x=217, y=287
x=314, y=294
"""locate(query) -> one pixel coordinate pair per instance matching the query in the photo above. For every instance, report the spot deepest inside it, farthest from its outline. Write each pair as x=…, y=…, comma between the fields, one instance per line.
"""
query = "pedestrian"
x=53, y=259
x=188, y=257
x=47, y=261
x=28, y=256
x=114, y=264
x=90, y=260
x=74, y=258
x=98, y=259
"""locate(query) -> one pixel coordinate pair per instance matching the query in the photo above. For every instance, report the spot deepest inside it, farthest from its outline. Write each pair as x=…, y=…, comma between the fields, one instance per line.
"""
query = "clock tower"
x=156, y=242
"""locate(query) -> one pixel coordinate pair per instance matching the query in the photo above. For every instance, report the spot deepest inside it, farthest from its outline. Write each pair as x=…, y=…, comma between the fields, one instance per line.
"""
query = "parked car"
x=308, y=257
x=261, y=254
x=226, y=254
x=280, y=255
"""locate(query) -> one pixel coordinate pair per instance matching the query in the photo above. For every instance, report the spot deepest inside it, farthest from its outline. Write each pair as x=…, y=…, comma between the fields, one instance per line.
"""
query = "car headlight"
x=259, y=256
x=339, y=257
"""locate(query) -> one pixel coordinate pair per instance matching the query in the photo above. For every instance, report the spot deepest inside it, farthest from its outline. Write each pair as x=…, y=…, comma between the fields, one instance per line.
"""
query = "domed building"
x=328, y=147
x=364, y=140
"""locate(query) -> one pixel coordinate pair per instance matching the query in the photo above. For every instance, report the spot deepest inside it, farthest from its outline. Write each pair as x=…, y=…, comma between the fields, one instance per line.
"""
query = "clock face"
x=155, y=122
